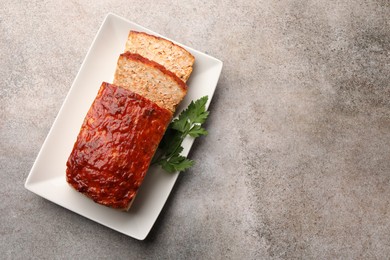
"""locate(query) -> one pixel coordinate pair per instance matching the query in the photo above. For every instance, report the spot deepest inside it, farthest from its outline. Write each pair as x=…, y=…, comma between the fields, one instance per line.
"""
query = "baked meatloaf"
x=173, y=57
x=149, y=79
x=115, y=145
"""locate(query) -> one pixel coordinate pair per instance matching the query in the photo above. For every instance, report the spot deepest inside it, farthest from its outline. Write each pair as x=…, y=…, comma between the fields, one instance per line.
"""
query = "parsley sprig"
x=189, y=123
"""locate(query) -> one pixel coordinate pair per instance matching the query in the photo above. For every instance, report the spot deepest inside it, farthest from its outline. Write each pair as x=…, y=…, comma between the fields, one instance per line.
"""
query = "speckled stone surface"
x=297, y=162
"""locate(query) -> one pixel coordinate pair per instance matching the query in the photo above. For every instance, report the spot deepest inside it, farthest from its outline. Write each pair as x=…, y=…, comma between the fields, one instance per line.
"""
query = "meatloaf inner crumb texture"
x=115, y=145
x=149, y=79
x=170, y=55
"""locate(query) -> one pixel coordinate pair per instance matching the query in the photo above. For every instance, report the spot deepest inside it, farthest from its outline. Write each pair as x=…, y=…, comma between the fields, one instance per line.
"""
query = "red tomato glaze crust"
x=115, y=145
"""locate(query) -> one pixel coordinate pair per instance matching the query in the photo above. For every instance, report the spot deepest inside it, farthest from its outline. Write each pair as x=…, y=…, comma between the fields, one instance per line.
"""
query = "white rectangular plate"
x=47, y=176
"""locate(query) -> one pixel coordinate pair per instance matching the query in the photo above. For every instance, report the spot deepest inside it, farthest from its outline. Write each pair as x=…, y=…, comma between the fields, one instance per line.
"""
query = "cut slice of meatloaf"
x=115, y=146
x=170, y=55
x=149, y=79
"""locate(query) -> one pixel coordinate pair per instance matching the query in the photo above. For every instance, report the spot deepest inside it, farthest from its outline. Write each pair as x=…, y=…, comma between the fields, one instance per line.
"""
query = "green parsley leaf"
x=196, y=111
x=181, y=124
x=189, y=123
x=171, y=142
x=177, y=163
x=197, y=131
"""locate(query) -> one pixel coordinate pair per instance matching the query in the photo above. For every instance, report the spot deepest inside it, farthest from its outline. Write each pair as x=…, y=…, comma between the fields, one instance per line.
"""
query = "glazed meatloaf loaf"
x=127, y=120
x=115, y=145
x=149, y=79
x=173, y=57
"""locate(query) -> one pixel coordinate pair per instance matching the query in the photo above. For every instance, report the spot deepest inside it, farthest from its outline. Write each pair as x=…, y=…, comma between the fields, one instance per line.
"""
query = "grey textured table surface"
x=297, y=162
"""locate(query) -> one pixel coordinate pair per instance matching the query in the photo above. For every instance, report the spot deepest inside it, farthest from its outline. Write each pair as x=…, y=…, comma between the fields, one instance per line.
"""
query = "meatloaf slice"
x=149, y=79
x=170, y=55
x=115, y=146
